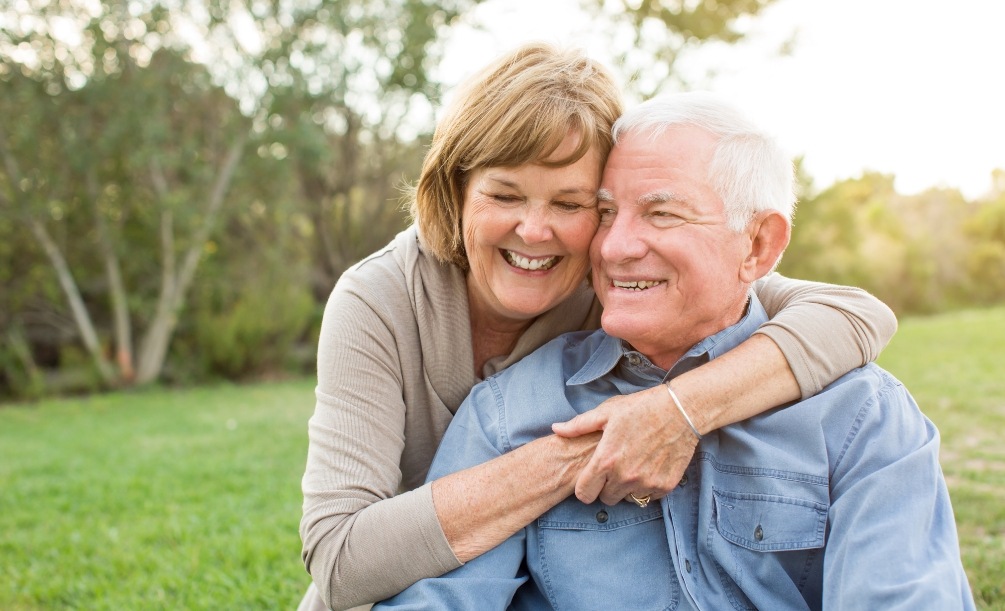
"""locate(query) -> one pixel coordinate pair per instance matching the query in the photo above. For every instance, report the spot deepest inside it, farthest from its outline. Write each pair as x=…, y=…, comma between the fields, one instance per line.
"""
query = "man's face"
x=665, y=266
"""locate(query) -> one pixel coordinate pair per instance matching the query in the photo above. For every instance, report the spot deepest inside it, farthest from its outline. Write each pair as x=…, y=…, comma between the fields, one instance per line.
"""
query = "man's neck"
x=666, y=357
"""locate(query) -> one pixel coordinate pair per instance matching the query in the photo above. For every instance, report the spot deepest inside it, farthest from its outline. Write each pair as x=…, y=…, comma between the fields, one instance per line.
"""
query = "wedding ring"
x=641, y=501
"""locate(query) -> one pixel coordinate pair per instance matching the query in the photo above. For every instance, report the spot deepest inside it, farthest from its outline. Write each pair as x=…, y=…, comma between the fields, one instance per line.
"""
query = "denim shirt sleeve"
x=491, y=580
x=893, y=542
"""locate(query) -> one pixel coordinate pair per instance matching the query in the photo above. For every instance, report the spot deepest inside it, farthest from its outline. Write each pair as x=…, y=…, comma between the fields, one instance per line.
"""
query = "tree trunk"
x=116, y=287
x=157, y=339
x=80, y=314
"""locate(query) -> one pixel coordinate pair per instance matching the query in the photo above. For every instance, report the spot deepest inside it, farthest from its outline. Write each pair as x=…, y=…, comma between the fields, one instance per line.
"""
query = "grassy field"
x=954, y=365
x=190, y=499
x=154, y=500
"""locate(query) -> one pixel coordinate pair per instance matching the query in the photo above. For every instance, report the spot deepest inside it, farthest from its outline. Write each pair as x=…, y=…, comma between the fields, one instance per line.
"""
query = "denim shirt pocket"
x=750, y=525
x=604, y=557
x=769, y=523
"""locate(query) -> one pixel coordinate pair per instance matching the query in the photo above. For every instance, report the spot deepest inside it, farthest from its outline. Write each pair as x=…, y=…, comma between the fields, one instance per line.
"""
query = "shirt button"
x=683, y=481
x=687, y=566
x=634, y=360
x=758, y=533
x=601, y=516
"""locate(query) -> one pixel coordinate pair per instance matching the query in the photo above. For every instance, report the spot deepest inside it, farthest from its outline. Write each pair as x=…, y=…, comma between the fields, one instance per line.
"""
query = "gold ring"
x=641, y=501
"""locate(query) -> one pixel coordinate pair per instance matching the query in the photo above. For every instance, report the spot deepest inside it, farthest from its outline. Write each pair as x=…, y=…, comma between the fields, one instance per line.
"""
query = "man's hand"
x=645, y=447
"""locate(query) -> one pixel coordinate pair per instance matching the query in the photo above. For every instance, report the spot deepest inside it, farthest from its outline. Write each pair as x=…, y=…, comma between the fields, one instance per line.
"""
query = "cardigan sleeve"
x=361, y=541
x=824, y=330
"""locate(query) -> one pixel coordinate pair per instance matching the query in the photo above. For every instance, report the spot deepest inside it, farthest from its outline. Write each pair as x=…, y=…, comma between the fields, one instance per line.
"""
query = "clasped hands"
x=643, y=451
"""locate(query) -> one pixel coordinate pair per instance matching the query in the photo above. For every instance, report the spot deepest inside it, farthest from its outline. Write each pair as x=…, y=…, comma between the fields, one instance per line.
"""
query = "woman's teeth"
x=636, y=285
x=532, y=265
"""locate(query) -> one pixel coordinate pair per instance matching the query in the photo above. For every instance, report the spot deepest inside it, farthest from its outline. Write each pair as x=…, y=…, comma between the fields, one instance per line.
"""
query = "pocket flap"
x=762, y=522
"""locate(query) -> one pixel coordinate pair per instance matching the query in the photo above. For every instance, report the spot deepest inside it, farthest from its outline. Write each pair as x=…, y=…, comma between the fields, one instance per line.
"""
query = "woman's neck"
x=492, y=335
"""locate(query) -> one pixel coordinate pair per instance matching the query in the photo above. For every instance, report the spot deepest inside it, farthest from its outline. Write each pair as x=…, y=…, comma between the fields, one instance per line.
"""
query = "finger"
x=590, y=482
x=590, y=422
x=612, y=494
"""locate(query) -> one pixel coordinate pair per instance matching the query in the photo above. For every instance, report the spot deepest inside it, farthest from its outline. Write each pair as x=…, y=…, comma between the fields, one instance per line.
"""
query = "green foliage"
x=114, y=143
x=986, y=260
x=923, y=253
x=256, y=333
x=17, y=365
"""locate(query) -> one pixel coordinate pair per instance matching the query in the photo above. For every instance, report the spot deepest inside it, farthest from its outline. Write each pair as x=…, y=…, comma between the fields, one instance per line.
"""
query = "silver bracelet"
x=680, y=407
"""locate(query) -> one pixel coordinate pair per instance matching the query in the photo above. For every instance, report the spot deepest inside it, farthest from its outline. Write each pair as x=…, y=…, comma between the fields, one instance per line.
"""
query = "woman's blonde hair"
x=517, y=110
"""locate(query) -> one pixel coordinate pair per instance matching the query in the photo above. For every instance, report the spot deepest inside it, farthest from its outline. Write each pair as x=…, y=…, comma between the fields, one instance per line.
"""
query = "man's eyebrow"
x=661, y=197
x=648, y=199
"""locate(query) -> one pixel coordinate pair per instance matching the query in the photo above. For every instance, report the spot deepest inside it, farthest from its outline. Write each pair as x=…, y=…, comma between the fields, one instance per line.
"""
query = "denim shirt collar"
x=611, y=350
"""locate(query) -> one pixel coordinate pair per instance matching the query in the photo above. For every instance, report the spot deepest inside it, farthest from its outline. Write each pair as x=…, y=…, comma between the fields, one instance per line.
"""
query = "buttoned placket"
x=677, y=511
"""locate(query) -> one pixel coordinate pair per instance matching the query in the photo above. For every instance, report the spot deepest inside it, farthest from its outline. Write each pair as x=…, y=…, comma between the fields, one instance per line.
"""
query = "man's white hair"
x=749, y=171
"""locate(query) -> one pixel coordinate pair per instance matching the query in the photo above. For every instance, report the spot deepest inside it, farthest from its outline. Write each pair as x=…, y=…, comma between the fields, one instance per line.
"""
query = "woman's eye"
x=506, y=199
x=568, y=206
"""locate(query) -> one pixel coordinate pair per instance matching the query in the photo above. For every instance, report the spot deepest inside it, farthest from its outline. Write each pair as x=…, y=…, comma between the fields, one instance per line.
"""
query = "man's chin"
x=626, y=327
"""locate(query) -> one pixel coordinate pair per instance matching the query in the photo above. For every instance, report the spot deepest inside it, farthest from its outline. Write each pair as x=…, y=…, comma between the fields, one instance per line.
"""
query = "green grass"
x=190, y=499
x=954, y=365
x=154, y=500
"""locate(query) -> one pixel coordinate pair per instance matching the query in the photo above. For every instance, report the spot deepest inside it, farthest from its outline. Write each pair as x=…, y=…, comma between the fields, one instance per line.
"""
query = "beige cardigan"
x=395, y=363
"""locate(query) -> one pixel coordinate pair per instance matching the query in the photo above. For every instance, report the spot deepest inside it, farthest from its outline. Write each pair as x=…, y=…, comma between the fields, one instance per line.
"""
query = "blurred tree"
x=114, y=122
x=936, y=247
x=831, y=230
x=985, y=230
x=649, y=36
x=220, y=158
x=165, y=146
x=911, y=251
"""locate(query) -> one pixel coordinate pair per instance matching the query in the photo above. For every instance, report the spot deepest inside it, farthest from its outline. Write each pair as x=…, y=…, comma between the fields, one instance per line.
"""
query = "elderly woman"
x=495, y=266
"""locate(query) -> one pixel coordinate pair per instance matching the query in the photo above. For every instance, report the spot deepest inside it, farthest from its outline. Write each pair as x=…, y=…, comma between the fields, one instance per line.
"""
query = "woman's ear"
x=769, y=236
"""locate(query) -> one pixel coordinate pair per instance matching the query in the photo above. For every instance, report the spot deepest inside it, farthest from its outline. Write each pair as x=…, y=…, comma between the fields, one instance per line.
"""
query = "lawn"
x=159, y=499
x=954, y=365
x=190, y=499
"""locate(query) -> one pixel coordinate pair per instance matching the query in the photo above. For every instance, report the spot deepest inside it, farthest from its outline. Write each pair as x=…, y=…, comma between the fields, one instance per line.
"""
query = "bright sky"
x=908, y=87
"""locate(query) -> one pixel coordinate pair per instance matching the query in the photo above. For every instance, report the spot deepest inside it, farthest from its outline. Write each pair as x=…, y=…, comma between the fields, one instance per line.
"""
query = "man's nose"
x=535, y=224
x=622, y=240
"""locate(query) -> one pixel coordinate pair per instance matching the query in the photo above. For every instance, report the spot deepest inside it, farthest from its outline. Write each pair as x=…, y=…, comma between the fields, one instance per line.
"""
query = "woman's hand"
x=645, y=447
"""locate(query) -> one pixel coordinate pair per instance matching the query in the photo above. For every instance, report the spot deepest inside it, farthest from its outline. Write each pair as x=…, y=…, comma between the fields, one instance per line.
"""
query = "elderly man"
x=837, y=501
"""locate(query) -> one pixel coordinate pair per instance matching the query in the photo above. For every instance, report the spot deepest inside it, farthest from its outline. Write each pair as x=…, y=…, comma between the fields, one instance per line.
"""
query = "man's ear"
x=769, y=235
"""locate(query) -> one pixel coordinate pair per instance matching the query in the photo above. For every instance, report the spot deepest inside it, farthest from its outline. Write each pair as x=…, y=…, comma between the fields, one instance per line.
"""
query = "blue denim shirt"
x=834, y=502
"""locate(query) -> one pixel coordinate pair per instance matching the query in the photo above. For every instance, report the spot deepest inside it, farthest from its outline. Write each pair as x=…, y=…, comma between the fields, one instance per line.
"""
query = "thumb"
x=590, y=422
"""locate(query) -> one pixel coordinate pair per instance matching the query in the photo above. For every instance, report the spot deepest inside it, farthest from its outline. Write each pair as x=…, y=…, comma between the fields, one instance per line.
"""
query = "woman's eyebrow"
x=512, y=184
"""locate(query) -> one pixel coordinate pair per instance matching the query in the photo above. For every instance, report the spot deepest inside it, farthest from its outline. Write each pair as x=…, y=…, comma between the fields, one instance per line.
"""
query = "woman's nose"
x=535, y=224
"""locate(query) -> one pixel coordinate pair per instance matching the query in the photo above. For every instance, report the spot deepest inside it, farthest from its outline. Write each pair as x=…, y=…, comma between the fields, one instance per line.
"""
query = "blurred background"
x=183, y=181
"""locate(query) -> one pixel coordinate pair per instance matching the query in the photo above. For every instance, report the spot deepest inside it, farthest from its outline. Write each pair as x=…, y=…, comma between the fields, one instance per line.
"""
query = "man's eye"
x=664, y=218
x=606, y=213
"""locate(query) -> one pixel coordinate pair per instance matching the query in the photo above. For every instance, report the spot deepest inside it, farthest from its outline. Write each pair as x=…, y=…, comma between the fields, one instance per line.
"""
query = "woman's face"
x=527, y=233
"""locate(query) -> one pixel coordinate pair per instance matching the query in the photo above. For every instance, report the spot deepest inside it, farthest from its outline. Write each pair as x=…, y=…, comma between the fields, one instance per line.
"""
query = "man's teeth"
x=636, y=285
x=530, y=264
